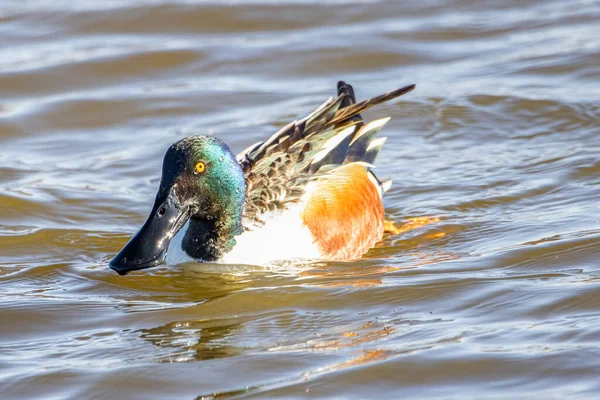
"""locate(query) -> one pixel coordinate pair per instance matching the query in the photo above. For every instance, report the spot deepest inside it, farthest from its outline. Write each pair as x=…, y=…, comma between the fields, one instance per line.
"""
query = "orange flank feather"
x=344, y=213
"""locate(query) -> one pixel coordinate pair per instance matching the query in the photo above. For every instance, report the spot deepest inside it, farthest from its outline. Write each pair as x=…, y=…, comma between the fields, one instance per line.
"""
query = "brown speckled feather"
x=278, y=169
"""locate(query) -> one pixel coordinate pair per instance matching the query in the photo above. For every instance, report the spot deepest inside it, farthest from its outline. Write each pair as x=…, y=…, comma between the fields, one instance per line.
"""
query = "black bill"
x=148, y=248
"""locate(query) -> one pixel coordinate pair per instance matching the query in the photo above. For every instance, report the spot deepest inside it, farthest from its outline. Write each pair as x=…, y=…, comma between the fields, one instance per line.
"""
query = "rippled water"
x=491, y=291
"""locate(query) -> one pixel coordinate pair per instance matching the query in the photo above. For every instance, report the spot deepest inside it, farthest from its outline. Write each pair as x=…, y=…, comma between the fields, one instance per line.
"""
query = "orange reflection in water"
x=364, y=334
x=412, y=223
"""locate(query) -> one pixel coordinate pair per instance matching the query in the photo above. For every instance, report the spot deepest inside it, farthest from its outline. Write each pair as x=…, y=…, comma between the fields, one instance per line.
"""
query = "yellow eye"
x=200, y=167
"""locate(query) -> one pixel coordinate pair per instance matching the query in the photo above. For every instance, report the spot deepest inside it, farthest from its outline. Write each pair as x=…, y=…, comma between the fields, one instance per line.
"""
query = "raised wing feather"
x=278, y=169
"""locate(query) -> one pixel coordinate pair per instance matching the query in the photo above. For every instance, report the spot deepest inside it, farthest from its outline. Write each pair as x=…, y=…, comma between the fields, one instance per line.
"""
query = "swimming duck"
x=306, y=192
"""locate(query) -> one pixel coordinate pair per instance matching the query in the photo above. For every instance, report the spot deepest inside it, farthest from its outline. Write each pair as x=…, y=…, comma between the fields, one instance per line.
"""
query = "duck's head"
x=202, y=181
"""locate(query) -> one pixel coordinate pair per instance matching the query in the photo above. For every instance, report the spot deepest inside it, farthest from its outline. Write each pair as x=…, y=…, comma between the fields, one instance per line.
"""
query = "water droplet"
x=221, y=158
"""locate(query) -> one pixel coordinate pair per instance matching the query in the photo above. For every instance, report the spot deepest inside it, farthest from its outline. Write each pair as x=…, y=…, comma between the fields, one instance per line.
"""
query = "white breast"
x=283, y=237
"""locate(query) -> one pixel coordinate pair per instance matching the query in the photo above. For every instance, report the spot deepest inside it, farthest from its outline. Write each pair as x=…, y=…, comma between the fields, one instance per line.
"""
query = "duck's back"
x=310, y=188
x=340, y=217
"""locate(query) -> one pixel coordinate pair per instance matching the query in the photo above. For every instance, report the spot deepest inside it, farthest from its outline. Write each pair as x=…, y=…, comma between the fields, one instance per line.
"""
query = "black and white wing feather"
x=278, y=169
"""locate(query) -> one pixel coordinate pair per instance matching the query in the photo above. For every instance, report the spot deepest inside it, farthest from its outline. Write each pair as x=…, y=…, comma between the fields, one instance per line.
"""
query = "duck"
x=307, y=192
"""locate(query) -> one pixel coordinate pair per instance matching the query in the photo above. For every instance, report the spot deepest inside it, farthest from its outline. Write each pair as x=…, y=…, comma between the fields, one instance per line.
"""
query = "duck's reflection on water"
x=194, y=340
x=188, y=340
x=214, y=336
x=211, y=337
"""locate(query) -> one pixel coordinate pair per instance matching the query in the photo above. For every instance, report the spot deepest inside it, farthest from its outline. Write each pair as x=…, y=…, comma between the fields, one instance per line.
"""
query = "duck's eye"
x=199, y=168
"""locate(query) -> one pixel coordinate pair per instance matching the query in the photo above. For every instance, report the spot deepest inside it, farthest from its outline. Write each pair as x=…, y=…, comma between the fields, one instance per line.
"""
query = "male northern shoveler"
x=307, y=192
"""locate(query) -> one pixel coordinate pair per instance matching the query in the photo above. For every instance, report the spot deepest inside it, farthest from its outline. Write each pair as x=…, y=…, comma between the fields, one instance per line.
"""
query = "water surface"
x=491, y=291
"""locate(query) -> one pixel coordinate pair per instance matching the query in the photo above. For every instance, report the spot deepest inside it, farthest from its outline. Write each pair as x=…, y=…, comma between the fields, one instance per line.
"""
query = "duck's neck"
x=208, y=239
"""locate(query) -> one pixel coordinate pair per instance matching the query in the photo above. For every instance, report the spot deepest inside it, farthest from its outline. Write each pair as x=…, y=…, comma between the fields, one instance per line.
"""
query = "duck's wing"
x=278, y=169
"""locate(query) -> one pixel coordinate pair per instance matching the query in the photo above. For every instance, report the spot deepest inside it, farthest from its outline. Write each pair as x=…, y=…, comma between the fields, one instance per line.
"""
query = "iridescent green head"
x=202, y=183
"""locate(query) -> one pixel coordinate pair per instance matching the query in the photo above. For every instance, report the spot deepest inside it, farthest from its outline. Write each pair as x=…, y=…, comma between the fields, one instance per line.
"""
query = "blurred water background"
x=491, y=291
